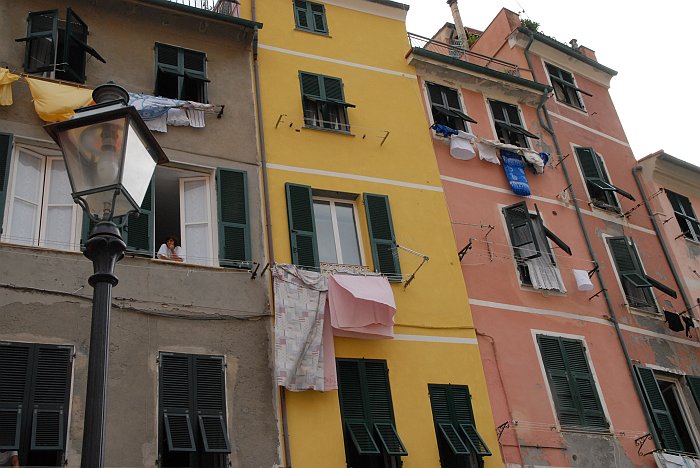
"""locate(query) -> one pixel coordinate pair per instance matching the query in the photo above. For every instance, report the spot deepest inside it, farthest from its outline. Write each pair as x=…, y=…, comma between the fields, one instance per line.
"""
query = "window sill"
x=544, y=292
x=587, y=430
x=322, y=34
x=328, y=130
x=645, y=313
x=582, y=110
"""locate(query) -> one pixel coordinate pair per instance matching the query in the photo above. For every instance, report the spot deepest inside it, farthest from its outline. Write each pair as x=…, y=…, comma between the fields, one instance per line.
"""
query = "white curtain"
x=26, y=199
x=59, y=207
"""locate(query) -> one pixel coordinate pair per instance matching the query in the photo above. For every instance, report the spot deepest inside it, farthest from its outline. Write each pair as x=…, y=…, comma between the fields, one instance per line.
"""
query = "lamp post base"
x=105, y=248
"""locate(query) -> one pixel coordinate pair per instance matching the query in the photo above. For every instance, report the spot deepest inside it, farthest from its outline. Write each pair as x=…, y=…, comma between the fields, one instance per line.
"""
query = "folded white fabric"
x=534, y=158
x=178, y=118
x=487, y=152
x=461, y=146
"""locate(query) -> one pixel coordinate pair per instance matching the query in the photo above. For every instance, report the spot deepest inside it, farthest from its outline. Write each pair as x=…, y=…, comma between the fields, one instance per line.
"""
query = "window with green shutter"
x=302, y=226
x=181, y=73
x=5, y=153
x=665, y=431
x=382, y=237
x=565, y=88
x=35, y=401
x=571, y=383
x=459, y=443
x=192, y=410
x=509, y=126
x=685, y=215
x=323, y=102
x=234, y=219
x=310, y=16
x=600, y=190
x=636, y=284
x=367, y=414
x=446, y=108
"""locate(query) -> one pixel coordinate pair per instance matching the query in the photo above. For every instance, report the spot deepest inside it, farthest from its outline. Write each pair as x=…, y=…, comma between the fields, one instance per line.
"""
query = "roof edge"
x=392, y=4
x=203, y=13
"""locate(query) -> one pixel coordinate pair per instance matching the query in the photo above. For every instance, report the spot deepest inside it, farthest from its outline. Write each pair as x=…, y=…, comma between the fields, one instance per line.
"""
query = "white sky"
x=650, y=45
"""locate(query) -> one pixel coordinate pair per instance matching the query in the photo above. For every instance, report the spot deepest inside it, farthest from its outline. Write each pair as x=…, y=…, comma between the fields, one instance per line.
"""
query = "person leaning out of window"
x=170, y=251
x=9, y=458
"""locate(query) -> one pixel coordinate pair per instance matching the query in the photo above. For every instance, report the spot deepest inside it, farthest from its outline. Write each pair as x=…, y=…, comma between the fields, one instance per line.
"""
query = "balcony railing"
x=223, y=7
x=462, y=54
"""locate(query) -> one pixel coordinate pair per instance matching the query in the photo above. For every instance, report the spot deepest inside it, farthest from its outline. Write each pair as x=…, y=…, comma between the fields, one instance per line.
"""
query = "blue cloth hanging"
x=515, y=173
x=545, y=157
x=444, y=130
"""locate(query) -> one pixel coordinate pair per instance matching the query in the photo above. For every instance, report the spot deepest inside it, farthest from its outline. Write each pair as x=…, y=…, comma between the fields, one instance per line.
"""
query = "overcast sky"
x=650, y=44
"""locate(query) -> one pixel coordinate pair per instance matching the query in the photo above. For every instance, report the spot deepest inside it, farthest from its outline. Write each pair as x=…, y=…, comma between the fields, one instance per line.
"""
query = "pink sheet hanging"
x=361, y=306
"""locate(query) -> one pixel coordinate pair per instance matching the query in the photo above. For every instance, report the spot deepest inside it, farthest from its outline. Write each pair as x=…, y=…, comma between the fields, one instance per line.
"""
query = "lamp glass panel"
x=100, y=204
x=138, y=166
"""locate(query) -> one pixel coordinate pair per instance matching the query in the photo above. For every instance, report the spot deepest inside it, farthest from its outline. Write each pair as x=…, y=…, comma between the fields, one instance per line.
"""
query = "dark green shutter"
x=352, y=407
x=446, y=417
x=210, y=403
x=694, y=384
x=382, y=237
x=521, y=231
x=590, y=165
x=477, y=443
x=627, y=262
x=583, y=384
x=5, y=153
x=51, y=388
x=138, y=231
x=14, y=363
x=333, y=89
x=234, y=223
x=685, y=215
x=381, y=409
x=663, y=421
x=175, y=388
x=311, y=86
x=42, y=41
x=74, y=59
x=302, y=227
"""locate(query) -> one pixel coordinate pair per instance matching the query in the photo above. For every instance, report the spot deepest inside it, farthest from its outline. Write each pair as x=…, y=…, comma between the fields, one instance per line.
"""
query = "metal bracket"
x=590, y=272
x=466, y=249
x=561, y=159
x=501, y=428
x=254, y=273
x=221, y=112
x=597, y=294
x=279, y=120
x=267, y=265
x=386, y=135
x=640, y=441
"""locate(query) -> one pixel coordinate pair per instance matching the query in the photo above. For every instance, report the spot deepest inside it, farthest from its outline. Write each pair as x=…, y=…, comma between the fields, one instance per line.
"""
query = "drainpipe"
x=547, y=126
x=636, y=172
x=268, y=219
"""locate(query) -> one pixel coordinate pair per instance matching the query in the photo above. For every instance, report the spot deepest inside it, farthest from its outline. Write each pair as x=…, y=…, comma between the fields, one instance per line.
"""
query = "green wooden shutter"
x=234, y=221
x=50, y=398
x=42, y=41
x=554, y=361
x=14, y=363
x=333, y=89
x=584, y=387
x=170, y=73
x=352, y=407
x=175, y=391
x=5, y=153
x=74, y=59
x=138, y=231
x=382, y=238
x=445, y=419
x=380, y=407
x=521, y=231
x=627, y=262
x=210, y=403
x=311, y=86
x=694, y=384
x=302, y=227
x=663, y=421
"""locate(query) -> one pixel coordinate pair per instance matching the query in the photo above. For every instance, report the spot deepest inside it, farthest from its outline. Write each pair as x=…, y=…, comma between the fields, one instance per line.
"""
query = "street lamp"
x=110, y=157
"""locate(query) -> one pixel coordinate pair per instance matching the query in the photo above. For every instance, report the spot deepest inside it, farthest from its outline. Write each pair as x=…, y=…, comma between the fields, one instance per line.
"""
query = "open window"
x=181, y=73
x=446, y=108
x=534, y=258
x=323, y=102
x=509, y=125
x=57, y=47
x=565, y=89
x=685, y=215
x=600, y=190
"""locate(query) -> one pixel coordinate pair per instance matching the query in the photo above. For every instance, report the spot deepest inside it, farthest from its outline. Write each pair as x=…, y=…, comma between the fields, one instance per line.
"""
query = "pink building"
x=573, y=298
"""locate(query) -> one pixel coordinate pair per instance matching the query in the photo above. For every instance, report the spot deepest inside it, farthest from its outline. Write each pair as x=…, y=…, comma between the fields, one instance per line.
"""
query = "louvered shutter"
x=319, y=17
x=5, y=153
x=626, y=261
x=210, y=403
x=300, y=13
x=595, y=176
x=556, y=369
x=352, y=407
x=14, y=362
x=584, y=388
x=302, y=227
x=42, y=41
x=685, y=215
x=663, y=421
x=380, y=407
x=311, y=86
x=382, y=237
x=175, y=391
x=169, y=71
x=445, y=418
x=73, y=48
x=50, y=400
x=138, y=231
x=477, y=443
x=234, y=224
x=521, y=231
x=333, y=89
x=694, y=384
x=463, y=418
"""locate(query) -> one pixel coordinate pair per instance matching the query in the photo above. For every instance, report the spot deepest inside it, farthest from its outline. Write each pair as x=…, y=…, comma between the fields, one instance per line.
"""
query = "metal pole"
x=105, y=248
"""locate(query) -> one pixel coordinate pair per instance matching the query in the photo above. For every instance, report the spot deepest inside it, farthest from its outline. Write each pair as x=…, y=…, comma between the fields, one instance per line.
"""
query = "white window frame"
x=581, y=109
x=210, y=260
x=492, y=120
x=429, y=106
x=615, y=216
x=334, y=221
x=683, y=404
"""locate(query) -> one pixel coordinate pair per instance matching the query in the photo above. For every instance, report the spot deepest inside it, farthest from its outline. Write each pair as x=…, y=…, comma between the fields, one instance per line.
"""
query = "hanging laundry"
x=6, y=80
x=151, y=107
x=196, y=118
x=304, y=353
x=487, y=152
x=673, y=320
x=361, y=306
x=534, y=158
x=688, y=321
x=543, y=274
x=444, y=130
x=461, y=146
x=545, y=157
x=178, y=118
x=514, y=169
x=55, y=102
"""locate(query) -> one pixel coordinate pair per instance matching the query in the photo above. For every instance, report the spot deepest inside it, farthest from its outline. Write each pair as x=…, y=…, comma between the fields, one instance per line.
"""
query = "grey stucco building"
x=189, y=374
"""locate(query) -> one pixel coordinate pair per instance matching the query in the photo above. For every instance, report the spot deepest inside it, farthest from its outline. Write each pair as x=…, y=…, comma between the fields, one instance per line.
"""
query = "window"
x=571, y=383
x=35, y=401
x=323, y=102
x=459, y=443
x=181, y=73
x=663, y=399
x=685, y=215
x=310, y=16
x=56, y=47
x=179, y=203
x=192, y=411
x=564, y=86
x=509, y=127
x=635, y=283
x=446, y=108
x=598, y=183
x=369, y=430
x=528, y=237
x=333, y=231
x=38, y=206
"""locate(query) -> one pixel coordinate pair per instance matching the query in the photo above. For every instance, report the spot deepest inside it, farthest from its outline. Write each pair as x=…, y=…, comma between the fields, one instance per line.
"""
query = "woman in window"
x=170, y=251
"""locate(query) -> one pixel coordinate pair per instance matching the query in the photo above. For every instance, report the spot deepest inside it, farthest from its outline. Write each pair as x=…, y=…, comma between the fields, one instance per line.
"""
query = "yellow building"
x=352, y=179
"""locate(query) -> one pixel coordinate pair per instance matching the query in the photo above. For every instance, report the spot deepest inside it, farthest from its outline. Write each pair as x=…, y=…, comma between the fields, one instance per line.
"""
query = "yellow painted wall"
x=435, y=304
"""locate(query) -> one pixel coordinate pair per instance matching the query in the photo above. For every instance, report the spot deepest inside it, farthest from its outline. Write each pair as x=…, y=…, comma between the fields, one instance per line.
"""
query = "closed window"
x=565, y=88
x=367, y=414
x=533, y=256
x=571, y=383
x=459, y=443
x=509, y=126
x=323, y=102
x=323, y=229
x=192, y=411
x=35, y=401
x=57, y=48
x=446, y=108
x=685, y=215
x=310, y=16
x=600, y=190
x=181, y=73
x=636, y=284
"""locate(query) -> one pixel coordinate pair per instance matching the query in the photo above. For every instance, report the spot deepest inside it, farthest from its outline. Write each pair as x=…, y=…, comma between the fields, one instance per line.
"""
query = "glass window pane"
x=324, y=232
x=59, y=191
x=23, y=223
x=195, y=201
x=59, y=221
x=347, y=231
x=197, y=248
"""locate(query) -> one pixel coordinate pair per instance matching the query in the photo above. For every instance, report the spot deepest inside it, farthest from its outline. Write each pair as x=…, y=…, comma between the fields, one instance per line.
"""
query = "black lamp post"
x=110, y=157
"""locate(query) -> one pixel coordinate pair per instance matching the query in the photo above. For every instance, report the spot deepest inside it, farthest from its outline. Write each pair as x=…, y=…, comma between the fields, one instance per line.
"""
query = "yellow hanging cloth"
x=55, y=102
x=6, y=80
